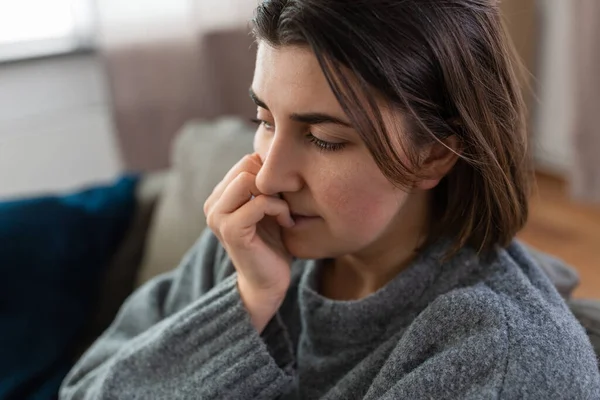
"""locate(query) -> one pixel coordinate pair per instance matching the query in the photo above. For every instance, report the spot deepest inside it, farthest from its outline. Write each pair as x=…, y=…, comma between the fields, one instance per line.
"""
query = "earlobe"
x=428, y=184
x=440, y=160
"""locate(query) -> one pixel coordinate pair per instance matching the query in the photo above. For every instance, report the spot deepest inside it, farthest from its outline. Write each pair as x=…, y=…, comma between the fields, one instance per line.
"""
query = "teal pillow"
x=52, y=254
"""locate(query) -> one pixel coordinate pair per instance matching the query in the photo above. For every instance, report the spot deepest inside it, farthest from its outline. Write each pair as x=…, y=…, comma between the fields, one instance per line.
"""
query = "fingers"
x=232, y=205
x=238, y=193
x=250, y=163
x=254, y=211
x=235, y=212
x=239, y=226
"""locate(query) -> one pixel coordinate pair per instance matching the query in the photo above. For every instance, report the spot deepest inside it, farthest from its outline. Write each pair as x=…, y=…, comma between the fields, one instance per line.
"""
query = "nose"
x=280, y=172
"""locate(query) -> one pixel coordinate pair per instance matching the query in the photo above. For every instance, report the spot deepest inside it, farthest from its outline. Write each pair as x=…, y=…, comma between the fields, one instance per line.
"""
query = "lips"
x=300, y=212
x=296, y=215
x=302, y=219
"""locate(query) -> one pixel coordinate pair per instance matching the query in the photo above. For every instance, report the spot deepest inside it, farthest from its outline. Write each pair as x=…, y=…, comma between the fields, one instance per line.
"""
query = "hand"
x=248, y=225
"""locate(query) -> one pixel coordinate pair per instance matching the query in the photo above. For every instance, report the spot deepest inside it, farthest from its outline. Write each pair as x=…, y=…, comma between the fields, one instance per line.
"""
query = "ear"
x=439, y=158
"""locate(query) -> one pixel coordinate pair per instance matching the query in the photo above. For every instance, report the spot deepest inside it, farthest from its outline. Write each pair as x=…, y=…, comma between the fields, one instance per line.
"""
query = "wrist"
x=262, y=306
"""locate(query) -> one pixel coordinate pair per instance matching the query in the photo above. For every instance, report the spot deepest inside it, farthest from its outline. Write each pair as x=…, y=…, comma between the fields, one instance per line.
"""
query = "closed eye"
x=323, y=145
x=319, y=143
x=261, y=122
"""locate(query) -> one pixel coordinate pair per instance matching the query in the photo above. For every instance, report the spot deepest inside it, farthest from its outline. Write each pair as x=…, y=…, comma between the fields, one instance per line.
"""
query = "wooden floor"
x=568, y=230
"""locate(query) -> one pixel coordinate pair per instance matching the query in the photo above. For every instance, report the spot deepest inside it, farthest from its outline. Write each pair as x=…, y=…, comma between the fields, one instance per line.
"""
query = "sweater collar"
x=338, y=324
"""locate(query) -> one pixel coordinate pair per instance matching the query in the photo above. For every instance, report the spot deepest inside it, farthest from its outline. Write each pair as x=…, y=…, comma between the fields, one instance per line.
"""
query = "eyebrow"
x=308, y=118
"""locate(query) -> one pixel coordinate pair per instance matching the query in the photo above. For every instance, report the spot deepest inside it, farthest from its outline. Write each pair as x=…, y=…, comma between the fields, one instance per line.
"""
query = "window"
x=33, y=28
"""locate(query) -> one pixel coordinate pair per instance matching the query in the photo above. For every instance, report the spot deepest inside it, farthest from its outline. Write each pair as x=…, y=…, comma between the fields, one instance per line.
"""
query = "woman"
x=366, y=249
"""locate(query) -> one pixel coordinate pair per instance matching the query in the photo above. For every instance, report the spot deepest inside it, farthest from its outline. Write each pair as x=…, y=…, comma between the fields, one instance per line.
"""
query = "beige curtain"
x=586, y=88
x=170, y=61
x=520, y=17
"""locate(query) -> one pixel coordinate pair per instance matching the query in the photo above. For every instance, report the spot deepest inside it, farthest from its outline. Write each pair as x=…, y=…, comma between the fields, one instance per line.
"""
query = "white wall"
x=211, y=14
x=56, y=130
x=133, y=21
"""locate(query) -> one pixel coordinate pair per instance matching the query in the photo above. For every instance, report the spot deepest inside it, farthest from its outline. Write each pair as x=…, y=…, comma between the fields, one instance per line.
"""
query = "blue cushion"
x=52, y=254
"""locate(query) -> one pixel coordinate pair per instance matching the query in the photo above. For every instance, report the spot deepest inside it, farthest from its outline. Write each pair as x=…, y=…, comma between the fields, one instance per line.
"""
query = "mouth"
x=298, y=217
x=301, y=215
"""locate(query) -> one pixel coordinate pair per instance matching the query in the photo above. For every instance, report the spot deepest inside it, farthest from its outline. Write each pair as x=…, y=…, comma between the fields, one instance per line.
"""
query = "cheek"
x=364, y=202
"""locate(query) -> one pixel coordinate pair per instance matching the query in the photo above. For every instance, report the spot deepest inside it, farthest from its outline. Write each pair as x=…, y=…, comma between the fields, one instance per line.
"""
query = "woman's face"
x=318, y=163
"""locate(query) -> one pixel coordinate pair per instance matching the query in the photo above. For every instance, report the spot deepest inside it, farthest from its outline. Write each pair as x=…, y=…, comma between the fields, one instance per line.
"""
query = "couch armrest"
x=564, y=277
x=149, y=191
x=119, y=277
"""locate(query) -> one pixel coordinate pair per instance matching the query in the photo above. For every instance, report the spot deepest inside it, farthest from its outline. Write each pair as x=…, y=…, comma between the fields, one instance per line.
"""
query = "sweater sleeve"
x=183, y=335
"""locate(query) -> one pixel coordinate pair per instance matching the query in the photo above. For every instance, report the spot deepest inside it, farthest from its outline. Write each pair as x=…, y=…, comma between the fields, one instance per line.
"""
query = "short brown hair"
x=450, y=68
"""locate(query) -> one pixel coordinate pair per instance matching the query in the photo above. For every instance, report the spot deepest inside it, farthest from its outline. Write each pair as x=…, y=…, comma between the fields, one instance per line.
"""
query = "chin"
x=306, y=247
x=304, y=251
x=313, y=245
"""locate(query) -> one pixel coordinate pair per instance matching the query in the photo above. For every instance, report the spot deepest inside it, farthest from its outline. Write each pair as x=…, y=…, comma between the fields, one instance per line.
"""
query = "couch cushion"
x=202, y=154
x=564, y=277
x=52, y=253
x=119, y=276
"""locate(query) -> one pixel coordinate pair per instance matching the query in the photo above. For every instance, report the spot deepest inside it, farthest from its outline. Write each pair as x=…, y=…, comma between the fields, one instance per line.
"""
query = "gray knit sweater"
x=464, y=329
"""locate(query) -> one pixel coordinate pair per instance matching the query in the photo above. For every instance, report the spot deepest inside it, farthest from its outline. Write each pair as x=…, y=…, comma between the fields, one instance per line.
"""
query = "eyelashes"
x=318, y=143
x=323, y=145
x=261, y=122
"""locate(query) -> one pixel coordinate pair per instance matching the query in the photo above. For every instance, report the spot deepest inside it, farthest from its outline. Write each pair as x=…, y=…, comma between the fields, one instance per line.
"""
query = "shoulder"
x=471, y=320
x=456, y=347
x=547, y=347
x=511, y=316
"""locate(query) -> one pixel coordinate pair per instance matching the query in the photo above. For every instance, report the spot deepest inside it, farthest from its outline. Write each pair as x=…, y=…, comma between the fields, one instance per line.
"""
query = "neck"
x=355, y=276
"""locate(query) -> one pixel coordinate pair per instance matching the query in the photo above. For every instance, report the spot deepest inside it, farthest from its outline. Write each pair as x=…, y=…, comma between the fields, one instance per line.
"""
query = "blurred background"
x=115, y=106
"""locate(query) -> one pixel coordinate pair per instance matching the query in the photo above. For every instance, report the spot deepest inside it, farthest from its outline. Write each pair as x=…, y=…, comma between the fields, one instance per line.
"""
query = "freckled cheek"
x=354, y=207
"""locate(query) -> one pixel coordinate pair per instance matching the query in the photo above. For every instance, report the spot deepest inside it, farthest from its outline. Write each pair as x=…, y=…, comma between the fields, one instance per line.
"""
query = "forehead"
x=290, y=77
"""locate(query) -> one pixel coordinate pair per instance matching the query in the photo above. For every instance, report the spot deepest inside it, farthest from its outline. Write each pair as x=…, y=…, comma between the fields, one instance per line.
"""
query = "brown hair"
x=450, y=68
